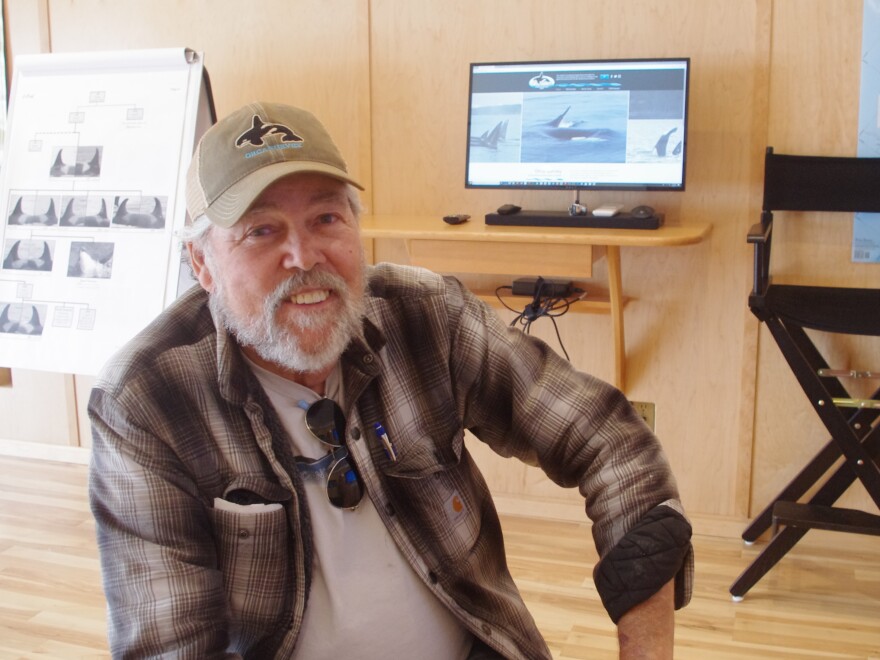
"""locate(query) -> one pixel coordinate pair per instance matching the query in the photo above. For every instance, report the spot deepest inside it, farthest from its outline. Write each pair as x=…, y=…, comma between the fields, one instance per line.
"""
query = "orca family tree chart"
x=92, y=200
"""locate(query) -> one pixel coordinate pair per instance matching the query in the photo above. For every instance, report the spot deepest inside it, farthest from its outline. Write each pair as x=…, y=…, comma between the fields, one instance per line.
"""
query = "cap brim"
x=233, y=203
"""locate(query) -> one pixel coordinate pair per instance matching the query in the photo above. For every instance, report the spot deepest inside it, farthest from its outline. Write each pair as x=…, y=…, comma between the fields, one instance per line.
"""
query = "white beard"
x=280, y=344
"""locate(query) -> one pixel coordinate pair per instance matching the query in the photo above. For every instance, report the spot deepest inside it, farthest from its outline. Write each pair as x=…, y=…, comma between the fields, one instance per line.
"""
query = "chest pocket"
x=433, y=489
x=420, y=455
x=433, y=485
x=253, y=552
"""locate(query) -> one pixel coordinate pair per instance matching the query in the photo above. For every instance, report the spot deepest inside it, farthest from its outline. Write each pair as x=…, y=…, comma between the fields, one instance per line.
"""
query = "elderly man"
x=279, y=467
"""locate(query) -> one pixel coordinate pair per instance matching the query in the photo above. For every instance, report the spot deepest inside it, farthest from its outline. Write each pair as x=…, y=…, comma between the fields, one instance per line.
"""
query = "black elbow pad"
x=650, y=555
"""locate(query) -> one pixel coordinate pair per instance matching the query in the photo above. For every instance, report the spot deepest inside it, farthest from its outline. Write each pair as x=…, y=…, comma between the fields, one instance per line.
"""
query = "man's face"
x=288, y=278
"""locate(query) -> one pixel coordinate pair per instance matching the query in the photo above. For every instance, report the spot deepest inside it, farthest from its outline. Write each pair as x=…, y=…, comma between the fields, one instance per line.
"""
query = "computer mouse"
x=643, y=211
x=509, y=209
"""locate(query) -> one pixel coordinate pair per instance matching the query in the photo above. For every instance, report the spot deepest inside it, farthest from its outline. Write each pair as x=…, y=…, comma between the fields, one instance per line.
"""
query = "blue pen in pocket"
x=387, y=445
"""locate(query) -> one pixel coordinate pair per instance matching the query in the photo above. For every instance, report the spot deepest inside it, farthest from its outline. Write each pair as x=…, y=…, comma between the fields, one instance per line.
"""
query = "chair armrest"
x=759, y=232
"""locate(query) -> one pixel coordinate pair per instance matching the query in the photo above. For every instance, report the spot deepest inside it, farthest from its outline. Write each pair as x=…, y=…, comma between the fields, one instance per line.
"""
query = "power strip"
x=549, y=287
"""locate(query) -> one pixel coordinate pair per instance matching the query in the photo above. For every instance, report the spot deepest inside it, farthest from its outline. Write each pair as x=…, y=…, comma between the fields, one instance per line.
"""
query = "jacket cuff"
x=651, y=554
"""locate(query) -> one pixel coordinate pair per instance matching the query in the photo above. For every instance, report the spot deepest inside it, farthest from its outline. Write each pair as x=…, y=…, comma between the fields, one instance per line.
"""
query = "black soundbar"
x=622, y=220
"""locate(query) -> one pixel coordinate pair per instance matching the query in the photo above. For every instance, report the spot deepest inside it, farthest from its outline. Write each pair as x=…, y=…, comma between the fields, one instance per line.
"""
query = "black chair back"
x=821, y=183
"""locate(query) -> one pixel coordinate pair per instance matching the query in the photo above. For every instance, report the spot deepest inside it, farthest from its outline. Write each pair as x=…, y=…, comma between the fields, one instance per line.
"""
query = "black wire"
x=559, y=338
x=542, y=306
x=498, y=295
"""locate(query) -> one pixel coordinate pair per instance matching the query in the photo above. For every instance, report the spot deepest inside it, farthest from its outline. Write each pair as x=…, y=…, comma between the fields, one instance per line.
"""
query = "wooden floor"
x=821, y=601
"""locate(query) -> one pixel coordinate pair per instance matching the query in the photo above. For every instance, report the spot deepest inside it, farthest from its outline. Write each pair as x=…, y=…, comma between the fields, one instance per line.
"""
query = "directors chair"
x=817, y=184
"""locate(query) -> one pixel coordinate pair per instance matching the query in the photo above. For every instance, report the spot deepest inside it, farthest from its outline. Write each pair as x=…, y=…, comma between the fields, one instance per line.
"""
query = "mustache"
x=304, y=279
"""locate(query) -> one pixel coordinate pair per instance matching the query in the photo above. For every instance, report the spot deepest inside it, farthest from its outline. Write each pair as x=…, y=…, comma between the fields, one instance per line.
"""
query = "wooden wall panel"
x=815, y=76
x=311, y=53
x=35, y=407
x=26, y=26
x=38, y=407
x=389, y=78
x=685, y=323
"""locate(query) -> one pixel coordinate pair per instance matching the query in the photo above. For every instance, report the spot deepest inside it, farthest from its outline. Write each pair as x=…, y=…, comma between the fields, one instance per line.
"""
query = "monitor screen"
x=602, y=125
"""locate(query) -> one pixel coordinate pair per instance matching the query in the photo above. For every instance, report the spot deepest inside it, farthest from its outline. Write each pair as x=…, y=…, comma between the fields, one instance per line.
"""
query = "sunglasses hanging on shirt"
x=326, y=422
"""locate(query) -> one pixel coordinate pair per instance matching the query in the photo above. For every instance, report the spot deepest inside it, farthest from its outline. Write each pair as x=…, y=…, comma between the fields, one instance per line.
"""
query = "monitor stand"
x=621, y=220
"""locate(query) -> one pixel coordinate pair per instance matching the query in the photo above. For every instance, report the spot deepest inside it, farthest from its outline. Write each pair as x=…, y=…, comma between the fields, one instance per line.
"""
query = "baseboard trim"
x=43, y=451
x=728, y=527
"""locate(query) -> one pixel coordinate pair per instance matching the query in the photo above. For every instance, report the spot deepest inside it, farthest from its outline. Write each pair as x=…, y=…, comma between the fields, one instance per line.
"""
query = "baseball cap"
x=243, y=153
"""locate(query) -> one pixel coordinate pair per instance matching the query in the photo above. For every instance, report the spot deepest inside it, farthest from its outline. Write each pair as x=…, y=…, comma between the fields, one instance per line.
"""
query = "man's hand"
x=647, y=630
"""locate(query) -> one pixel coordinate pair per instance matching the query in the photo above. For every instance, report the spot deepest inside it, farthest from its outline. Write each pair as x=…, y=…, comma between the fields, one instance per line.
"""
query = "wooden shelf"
x=478, y=248
x=433, y=228
x=591, y=304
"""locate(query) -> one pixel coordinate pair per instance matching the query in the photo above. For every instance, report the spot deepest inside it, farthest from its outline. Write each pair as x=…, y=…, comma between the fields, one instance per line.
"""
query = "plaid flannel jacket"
x=178, y=420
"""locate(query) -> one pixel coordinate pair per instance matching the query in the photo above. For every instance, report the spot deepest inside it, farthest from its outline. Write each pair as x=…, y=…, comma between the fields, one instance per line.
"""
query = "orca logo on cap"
x=260, y=129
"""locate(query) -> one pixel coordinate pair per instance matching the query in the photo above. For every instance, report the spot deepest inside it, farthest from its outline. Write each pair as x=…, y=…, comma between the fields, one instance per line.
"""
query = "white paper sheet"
x=92, y=197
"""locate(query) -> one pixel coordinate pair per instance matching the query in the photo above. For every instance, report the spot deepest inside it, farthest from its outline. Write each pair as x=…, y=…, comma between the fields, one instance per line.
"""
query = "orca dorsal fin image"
x=72, y=219
x=50, y=217
x=67, y=215
x=19, y=217
x=15, y=218
x=94, y=166
x=90, y=168
x=157, y=211
x=58, y=166
x=491, y=140
x=28, y=322
x=12, y=259
x=556, y=123
x=660, y=147
x=46, y=256
x=21, y=256
x=138, y=217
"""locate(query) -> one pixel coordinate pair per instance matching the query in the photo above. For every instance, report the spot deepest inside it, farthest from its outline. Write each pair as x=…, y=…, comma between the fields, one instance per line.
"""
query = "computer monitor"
x=578, y=124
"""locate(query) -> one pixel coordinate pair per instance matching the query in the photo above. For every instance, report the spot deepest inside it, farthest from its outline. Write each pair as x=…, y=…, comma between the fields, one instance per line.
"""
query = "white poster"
x=866, y=227
x=93, y=194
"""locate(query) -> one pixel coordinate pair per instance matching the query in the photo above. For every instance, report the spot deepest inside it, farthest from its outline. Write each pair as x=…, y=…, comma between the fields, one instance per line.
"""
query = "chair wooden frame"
x=822, y=184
